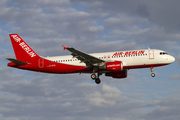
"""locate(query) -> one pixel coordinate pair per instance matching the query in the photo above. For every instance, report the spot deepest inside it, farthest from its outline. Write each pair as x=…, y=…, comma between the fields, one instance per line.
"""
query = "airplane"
x=112, y=64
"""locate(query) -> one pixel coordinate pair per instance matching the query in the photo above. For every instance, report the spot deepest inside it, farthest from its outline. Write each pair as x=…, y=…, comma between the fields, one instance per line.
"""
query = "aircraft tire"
x=93, y=76
x=153, y=74
x=98, y=81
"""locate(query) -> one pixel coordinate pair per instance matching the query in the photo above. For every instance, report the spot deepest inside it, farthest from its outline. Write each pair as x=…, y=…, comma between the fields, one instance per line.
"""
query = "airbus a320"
x=112, y=64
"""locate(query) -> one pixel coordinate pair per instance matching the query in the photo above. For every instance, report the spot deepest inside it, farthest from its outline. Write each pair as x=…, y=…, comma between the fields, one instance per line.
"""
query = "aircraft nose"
x=171, y=59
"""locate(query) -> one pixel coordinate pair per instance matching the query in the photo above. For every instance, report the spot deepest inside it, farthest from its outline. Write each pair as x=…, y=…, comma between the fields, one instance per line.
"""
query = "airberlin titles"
x=140, y=52
x=24, y=46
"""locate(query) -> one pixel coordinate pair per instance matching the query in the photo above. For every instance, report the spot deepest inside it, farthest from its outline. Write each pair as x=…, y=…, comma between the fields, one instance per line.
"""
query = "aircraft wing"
x=83, y=57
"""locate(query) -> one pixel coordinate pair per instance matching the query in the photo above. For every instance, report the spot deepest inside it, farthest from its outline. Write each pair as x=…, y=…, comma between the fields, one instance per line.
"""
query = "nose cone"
x=171, y=59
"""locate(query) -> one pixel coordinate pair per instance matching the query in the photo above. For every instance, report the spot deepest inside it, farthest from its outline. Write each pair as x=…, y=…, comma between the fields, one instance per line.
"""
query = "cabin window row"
x=63, y=60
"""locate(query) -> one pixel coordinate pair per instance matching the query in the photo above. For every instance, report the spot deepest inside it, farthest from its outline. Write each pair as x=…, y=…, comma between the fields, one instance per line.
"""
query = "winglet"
x=64, y=47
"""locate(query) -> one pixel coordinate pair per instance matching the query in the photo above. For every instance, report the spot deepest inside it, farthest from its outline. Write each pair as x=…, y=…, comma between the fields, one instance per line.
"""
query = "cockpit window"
x=163, y=53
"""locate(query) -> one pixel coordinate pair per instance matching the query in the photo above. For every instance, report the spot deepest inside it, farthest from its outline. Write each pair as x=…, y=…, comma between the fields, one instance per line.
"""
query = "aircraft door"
x=151, y=54
x=41, y=63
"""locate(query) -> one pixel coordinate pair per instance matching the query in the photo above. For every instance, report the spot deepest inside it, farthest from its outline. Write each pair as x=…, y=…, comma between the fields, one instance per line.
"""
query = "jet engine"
x=112, y=66
x=121, y=74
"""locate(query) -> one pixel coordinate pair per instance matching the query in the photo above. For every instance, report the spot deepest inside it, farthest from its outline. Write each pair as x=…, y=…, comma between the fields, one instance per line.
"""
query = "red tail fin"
x=21, y=48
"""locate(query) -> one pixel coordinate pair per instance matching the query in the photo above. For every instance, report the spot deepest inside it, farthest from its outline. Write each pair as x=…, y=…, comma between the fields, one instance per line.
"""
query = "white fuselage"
x=129, y=58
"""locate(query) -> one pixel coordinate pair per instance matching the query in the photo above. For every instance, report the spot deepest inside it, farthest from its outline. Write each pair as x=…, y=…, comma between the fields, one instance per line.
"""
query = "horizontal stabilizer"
x=17, y=62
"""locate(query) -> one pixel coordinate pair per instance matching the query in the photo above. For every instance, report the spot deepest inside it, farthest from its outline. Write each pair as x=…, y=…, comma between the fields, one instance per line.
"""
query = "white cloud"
x=107, y=97
x=68, y=96
x=157, y=12
x=175, y=77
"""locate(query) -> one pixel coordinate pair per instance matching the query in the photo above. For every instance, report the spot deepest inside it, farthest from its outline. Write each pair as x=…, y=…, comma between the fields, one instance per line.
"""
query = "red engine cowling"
x=121, y=74
x=113, y=66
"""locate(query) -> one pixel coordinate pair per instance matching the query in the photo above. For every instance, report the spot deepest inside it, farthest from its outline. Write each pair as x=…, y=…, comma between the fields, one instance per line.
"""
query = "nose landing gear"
x=152, y=74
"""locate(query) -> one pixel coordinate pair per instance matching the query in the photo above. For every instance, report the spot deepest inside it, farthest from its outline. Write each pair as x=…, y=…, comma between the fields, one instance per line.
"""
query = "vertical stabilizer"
x=21, y=49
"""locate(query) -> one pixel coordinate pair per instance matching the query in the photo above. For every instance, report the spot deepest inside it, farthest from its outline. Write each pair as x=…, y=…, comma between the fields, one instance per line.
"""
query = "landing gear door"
x=41, y=63
x=151, y=54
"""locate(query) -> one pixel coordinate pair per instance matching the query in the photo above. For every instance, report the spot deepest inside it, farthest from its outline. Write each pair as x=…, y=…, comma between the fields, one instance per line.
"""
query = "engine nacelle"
x=121, y=74
x=112, y=66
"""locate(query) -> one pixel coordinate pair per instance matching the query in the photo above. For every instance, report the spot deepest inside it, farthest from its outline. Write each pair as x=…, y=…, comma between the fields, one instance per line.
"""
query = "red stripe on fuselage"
x=49, y=67
x=60, y=68
x=143, y=66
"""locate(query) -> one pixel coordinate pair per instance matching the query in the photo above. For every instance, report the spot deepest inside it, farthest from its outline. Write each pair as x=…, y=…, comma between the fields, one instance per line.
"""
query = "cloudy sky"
x=90, y=26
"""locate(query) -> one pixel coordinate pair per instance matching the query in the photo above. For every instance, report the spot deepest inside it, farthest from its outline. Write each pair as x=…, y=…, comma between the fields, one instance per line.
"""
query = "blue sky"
x=90, y=26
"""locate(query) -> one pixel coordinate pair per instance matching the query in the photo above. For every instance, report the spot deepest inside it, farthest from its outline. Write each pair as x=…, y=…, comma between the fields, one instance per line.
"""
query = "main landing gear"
x=96, y=78
x=152, y=74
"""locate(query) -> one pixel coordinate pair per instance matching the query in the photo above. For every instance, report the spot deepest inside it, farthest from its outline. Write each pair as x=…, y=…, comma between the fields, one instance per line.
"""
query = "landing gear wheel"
x=153, y=74
x=98, y=81
x=93, y=76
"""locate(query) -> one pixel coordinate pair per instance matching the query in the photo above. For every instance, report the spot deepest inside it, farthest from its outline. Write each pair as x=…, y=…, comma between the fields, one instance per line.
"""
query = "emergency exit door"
x=151, y=54
x=41, y=63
